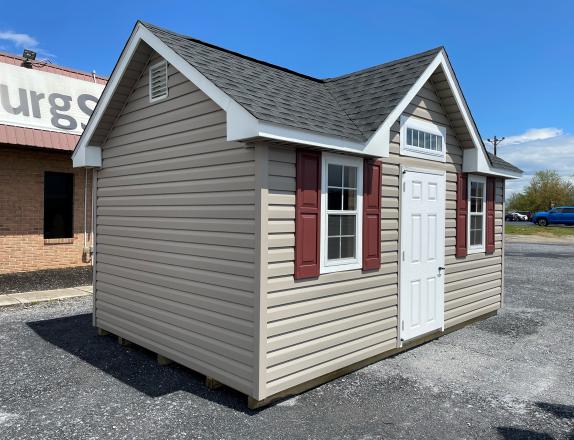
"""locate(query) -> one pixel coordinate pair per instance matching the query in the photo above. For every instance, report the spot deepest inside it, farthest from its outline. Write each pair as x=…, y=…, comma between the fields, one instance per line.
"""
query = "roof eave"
x=241, y=125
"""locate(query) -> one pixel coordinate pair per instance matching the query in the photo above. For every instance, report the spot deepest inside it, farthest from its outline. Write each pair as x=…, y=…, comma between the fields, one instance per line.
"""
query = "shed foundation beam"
x=162, y=360
x=212, y=383
x=123, y=342
x=102, y=332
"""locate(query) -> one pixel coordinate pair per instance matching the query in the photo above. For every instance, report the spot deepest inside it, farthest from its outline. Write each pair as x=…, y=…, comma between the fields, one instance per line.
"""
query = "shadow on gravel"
x=522, y=434
x=133, y=365
x=557, y=410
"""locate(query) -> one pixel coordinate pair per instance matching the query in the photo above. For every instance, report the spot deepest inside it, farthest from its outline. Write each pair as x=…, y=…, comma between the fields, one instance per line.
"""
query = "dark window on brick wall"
x=58, y=205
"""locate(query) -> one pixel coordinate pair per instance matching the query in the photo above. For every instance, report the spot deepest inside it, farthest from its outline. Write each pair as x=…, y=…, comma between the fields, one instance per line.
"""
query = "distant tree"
x=546, y=189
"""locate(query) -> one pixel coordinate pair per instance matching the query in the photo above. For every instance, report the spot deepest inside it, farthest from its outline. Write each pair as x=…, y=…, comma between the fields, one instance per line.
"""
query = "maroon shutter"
x=490, y=203
x=372, y=215
x=307, y=214
x=461, y=215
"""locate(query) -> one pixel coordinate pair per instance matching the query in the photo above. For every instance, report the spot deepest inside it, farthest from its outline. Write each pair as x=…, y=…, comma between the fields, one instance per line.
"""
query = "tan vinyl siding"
x=317, y=326
x=175, y=233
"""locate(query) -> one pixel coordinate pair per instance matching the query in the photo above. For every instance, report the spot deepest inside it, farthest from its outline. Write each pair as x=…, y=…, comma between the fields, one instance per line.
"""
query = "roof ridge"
x=388, y=63
x=239, y=54
x=291, y=71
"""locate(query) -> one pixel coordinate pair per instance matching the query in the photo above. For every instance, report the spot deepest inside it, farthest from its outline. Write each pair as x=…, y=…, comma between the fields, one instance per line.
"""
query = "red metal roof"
x=33, y=137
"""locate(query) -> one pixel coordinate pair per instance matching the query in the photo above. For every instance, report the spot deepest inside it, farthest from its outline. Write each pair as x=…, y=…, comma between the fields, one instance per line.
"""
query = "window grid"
x=424, y=140
x=341, y=212
x=476, y=211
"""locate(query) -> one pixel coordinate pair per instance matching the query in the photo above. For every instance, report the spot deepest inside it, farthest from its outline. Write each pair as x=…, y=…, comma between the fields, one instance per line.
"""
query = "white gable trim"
x=241, y=124
x=475, y=159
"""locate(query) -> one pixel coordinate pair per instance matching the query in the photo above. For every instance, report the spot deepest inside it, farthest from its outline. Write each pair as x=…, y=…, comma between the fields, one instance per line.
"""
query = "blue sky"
x=514, y=59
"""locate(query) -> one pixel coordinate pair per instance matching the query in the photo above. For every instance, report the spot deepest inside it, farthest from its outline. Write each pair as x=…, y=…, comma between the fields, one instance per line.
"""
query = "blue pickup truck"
x=561, y=215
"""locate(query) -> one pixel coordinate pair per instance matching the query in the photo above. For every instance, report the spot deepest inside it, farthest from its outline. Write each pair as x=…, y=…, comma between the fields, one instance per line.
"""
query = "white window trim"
x=426, y=126
x=350, y=263
x=476, y=248
x=151, y=67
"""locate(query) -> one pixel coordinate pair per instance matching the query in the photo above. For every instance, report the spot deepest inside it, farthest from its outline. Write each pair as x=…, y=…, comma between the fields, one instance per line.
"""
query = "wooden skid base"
x=212, y=383
x=102, y=332
x=162, y=360
x=313, y=383
x=123, y=342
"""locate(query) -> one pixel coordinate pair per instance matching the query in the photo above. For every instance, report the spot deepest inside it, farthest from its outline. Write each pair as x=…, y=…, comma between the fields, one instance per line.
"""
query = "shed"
x=271, y=230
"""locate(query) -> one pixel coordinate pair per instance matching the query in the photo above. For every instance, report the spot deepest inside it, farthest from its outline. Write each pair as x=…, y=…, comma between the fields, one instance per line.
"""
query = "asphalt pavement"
x=508, y=377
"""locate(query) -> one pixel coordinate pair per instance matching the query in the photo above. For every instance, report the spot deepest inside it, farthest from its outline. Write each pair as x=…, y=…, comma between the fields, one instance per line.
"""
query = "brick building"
x=45, y=204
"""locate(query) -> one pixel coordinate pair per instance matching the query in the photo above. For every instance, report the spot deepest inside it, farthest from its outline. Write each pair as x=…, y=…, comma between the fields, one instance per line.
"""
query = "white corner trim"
x=408, y=121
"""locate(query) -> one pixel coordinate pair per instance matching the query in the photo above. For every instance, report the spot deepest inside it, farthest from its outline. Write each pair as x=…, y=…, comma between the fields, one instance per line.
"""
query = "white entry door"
x=421, y=289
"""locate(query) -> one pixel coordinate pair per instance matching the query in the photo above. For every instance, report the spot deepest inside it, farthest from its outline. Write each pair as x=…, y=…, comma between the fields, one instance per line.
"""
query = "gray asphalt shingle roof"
x=498, y=162
x=350, y=106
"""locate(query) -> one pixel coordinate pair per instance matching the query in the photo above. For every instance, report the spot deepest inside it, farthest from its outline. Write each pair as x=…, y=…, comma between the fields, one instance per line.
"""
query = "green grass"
x=558, y=231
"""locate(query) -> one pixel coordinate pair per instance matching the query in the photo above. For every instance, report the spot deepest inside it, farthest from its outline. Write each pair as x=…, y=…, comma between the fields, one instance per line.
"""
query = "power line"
x=495, y=142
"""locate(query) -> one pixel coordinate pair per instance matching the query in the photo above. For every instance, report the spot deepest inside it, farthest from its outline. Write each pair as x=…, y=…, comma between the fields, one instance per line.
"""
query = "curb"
x=14, y=299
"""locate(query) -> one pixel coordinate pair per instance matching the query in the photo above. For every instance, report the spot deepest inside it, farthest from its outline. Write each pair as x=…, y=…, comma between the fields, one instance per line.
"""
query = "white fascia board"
x=380, y=140
x=241, y=124
x=474, y=159
x=279, y=132
x=474, y=162
x=89, y=156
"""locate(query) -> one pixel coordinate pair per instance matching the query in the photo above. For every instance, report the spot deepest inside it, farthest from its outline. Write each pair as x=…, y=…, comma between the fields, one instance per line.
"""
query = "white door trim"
x=402, y=240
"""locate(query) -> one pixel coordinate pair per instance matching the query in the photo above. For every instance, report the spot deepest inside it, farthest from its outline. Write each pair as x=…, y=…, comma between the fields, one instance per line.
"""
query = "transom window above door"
x=422, y=139
x=341, y=213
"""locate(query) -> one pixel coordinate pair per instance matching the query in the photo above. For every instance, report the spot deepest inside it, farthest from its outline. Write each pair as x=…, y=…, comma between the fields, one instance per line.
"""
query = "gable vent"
x=158, y=81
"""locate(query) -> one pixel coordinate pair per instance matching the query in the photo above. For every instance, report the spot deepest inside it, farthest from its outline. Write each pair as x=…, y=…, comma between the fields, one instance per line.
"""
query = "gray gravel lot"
x=45, y=279
x=508, y=377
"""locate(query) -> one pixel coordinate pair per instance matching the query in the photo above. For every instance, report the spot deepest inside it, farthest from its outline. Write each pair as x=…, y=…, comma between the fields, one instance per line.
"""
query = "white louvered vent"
x=158, y=81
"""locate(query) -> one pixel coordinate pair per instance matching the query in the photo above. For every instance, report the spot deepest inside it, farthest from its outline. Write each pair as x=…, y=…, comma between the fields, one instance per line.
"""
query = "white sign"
x=44, y=100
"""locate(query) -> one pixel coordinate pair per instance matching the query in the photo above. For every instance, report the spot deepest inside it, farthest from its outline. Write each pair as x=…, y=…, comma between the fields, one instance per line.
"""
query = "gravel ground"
x=45, y=279
x=508, y=377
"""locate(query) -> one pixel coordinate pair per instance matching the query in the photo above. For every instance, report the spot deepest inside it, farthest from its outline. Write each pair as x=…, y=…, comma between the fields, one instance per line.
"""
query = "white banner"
x=47, y=101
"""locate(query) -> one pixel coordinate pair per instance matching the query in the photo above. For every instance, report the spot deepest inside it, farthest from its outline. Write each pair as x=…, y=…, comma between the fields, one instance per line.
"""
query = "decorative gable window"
x=422, y=139
x=158, y=81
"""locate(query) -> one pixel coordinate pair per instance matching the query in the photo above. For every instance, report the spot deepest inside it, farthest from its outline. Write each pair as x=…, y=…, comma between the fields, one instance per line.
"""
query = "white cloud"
x=538, y=149
x=19, y=40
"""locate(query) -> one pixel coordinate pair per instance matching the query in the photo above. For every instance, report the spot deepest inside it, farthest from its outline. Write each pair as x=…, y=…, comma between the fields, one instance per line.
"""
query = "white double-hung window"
x=476, y=213
x=422, y=139
x=341, y=213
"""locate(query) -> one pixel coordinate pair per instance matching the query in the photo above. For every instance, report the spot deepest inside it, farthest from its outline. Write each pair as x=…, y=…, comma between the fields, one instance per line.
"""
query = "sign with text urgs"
x=46, y=101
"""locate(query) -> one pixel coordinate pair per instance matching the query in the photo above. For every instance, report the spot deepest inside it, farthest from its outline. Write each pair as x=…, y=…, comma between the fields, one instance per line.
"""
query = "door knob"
x=441, y=268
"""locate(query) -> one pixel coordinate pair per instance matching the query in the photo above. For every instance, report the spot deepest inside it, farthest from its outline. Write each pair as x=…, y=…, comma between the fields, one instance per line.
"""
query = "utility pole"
x=495, y=142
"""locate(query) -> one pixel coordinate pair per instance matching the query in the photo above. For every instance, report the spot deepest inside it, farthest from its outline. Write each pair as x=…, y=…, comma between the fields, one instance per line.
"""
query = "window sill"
x=51, y=241
x=476, y=250
x=341, y=267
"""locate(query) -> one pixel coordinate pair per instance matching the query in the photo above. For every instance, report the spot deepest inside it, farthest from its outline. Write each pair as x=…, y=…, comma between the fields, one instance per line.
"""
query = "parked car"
x=561, y=215
x=528, y=214
x=515, y=216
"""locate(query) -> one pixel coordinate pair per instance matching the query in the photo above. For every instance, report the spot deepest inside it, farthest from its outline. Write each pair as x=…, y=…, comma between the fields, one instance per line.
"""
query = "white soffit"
x=242, y=125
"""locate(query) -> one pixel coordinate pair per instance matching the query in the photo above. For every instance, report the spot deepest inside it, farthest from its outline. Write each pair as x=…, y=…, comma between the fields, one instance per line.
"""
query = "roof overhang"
x=242, y=125
x=475, y=159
